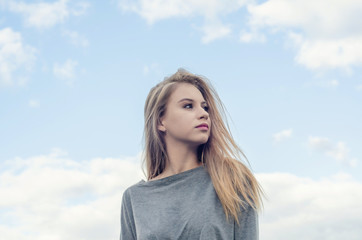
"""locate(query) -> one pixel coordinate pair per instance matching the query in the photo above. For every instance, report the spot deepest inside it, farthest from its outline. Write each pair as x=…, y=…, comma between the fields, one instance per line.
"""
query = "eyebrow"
x=189, y=99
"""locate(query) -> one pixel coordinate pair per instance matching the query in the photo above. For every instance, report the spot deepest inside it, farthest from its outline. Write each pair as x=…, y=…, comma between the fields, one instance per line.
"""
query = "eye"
x=206, y=108
x=186, y=106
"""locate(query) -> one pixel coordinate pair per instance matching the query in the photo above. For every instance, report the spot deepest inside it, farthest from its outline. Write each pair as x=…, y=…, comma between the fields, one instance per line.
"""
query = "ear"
x=161, y=126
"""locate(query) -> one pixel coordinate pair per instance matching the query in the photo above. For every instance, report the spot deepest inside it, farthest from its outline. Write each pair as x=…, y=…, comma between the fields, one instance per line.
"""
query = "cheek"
x=181, y=120
x=177, y=116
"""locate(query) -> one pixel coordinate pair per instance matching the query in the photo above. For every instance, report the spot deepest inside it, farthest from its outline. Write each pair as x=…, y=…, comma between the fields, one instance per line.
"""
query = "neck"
x=181, y=157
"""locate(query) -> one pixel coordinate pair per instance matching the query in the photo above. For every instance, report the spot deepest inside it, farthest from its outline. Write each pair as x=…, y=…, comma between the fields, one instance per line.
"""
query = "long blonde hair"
x=234, y=183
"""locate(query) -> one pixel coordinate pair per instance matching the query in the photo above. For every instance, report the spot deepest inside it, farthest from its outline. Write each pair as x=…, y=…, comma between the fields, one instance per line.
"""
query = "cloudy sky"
x=74, y=76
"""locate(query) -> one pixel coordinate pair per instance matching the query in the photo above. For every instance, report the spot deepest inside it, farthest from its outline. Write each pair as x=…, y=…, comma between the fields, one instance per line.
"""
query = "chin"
x=203, y=141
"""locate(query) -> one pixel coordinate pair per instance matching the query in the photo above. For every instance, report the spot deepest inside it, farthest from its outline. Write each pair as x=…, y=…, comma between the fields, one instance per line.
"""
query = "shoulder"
x=127, y=194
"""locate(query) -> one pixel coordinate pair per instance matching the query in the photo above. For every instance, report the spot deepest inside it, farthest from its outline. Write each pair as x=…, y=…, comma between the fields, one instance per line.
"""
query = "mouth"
x=204, y=125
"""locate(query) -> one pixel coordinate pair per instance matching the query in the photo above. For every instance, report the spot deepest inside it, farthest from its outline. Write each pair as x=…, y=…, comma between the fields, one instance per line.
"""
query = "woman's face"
x=186, y=109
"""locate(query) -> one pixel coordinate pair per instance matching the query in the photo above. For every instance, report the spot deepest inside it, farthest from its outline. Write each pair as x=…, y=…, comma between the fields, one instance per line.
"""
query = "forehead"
x=186, y=90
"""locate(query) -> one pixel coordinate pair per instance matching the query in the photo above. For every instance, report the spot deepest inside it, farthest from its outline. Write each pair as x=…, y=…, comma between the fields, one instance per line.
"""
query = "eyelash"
x=206, y=107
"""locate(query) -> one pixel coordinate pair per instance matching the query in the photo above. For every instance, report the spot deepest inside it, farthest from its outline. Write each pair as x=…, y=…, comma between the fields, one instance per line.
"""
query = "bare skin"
x=179, y=124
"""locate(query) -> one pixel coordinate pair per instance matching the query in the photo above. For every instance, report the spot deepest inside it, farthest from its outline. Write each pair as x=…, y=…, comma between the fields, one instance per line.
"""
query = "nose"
x=203, y=113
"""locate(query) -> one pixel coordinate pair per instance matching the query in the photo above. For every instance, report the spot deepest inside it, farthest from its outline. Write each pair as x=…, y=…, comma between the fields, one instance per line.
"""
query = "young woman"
x=196, y=186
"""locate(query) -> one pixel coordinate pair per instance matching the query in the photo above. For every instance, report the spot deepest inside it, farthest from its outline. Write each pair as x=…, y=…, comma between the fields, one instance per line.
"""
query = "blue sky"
x=74, y=76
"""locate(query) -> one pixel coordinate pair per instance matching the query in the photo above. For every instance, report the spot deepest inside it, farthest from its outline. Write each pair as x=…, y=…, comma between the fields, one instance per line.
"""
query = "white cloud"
x=76, y=39
x=44, y=14
x=210, y=10
x=34, y=103
x=54, y=197
x=214, y=30
x=329, y=83
x=155, y=10
x=149, y=68
x=338, y=151
x=79, y=8
x=280, y=136
x=328, y=53
x=326, y=35
x=252, y=36
x=66, y=71
x=332, y=83
x=303, y=208
x=14, y=57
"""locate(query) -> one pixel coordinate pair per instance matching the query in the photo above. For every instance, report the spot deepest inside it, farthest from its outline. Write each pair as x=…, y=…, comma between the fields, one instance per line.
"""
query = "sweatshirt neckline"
x=172, y=177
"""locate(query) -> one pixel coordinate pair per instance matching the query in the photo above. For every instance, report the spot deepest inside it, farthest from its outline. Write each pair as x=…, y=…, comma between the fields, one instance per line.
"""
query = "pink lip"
x=203, y=126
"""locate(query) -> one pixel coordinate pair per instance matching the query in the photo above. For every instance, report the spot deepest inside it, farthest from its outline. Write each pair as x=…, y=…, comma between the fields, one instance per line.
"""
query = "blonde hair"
x=234, y=183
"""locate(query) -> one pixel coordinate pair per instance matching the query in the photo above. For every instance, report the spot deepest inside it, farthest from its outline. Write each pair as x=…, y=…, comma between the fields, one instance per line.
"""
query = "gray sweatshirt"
x=182, y=206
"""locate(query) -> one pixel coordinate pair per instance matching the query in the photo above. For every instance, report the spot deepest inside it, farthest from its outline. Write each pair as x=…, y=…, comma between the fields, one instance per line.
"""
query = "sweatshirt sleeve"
x=128, y=229
x=248, y=229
